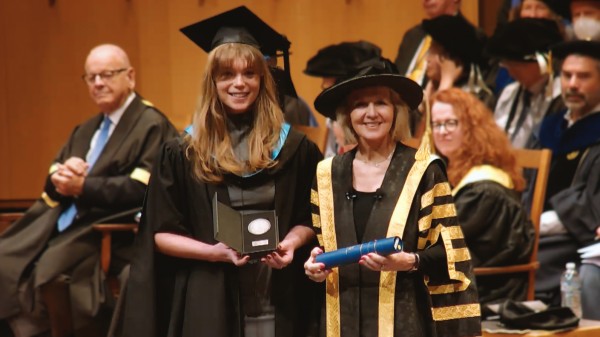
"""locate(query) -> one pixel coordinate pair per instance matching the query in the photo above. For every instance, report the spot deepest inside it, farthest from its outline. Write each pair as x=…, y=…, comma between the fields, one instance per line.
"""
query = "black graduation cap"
x=582, y=47
x=521, y=39
x=342, y=60
x=560, y=7
x=458, y=36
x=241, y=25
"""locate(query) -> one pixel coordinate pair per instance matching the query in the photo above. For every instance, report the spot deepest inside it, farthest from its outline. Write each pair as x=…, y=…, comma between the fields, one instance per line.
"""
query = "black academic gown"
x=573, y=193
x=498, y=233
x=440, y=299
x=168, y=296
x=115, y=184
x=408, y=47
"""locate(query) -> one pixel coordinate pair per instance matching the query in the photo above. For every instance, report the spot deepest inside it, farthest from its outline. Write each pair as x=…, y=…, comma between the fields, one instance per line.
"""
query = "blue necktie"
x=67, y=216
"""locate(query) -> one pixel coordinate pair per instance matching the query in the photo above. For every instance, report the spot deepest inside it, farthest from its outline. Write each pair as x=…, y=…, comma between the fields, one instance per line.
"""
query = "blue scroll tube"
x=352, y=254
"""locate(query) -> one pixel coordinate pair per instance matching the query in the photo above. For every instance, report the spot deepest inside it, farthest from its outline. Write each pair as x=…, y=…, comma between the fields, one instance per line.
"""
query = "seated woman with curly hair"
x=485, y=182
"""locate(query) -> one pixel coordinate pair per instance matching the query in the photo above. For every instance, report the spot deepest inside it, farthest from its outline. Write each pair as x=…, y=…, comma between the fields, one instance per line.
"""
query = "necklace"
x=377, y=164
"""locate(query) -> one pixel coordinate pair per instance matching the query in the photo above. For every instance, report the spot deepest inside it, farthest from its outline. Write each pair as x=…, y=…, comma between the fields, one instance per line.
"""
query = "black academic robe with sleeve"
x=116, y=183
x=573, y=193
x=497, y=230
x=440, y=298
x=168, y=296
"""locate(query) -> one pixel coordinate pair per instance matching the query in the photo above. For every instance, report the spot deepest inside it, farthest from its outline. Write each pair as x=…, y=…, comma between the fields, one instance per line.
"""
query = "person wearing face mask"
x=380, y=189
x=485, y=182
x=239, y=151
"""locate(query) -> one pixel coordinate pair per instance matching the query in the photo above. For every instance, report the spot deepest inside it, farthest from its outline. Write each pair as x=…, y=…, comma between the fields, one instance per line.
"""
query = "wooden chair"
x=6, y=219
x=540, y=161
x=106, y=231
x=317, y=135
x=106, y=228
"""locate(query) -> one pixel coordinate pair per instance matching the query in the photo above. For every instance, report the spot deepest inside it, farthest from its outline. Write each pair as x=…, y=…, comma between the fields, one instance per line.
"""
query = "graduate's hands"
x=223, y=253
x=315, y=271
x=280, y=258
x=400, y=261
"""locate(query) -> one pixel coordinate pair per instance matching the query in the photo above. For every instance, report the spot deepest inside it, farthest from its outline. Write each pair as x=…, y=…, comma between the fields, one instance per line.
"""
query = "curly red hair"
x=484, y=142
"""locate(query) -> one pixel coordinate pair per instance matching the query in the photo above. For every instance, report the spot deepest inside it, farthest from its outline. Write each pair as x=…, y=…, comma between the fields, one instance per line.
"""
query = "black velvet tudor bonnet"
x=379, y=72
x=458, y=37
x=521, y=39
x=342, y=60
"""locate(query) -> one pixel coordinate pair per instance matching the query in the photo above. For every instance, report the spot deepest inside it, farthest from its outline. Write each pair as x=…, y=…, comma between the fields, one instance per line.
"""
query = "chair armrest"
x=106, y=231
x=6, y=219
x=517, y=268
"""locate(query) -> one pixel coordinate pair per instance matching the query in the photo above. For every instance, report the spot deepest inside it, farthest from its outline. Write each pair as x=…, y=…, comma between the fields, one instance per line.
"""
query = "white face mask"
x=587, y=28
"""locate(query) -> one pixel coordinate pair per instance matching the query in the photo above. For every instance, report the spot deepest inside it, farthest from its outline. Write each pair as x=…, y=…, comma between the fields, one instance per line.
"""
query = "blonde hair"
x=210, y=147
x=399, y=131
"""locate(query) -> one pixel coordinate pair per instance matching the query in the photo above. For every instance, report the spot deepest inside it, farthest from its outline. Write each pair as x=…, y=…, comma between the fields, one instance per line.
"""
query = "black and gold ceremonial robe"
x=30, y=252
x=497, y=230
x=440, y=299
x=174, y=297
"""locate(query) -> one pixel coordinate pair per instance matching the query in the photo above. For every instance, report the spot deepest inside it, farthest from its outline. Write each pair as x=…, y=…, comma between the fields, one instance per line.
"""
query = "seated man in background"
x=571, y=218
x=522, y=47
x=50, y=276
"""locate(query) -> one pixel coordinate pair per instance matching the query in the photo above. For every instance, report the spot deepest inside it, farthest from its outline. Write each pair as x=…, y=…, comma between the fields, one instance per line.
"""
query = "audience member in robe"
x=411, y=60
x=336, y=63
x=383, y=188
x=584, y=9
x=186, y=283
x=571, y=219
x=555, y=10
x=585, y=15
x=50, y=275
x=485, y=182
x=455, y=57
x=522, y=47
x=295, y=109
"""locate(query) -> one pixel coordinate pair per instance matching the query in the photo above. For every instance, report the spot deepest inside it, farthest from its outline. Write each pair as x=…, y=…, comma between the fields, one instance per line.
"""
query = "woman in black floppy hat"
x=380, y=189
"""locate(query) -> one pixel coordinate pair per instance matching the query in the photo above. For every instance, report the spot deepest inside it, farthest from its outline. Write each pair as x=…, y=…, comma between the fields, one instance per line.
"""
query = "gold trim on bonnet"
x=140, y=175
x=485, y=172
x=51, y=203
x=332, y=295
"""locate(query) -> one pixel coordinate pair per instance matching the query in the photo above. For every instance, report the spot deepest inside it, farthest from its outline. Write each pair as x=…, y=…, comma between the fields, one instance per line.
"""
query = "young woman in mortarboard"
x=238, y=150
x=380, y=189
